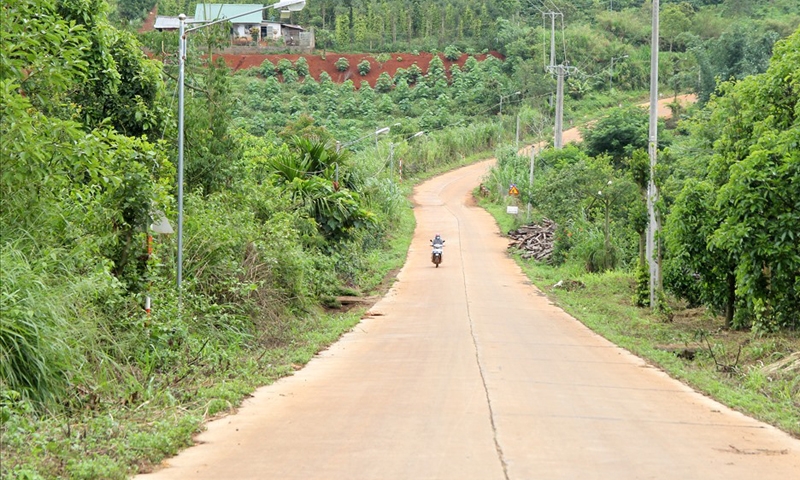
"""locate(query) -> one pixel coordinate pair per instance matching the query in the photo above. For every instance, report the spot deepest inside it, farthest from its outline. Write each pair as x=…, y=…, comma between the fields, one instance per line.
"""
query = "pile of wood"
x=536, y=240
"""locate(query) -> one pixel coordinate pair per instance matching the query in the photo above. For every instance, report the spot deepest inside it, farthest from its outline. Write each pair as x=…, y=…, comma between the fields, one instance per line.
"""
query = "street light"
x=611, y=71
x=391, y=150
x=290, y=5
x=340, y=146
x=507, y=96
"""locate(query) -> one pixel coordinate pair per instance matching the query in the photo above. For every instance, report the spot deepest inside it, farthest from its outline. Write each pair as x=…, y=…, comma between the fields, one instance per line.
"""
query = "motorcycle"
x=436, y=254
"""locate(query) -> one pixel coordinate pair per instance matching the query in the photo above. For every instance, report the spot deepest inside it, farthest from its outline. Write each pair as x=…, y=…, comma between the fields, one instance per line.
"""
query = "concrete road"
x=466, y=371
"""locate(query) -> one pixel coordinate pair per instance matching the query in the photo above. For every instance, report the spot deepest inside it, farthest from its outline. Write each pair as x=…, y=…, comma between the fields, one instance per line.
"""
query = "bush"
x=284, y=65
x=364, y=67
x=268, y=69
x=384, y=83
x=301, y=66
x=342, y=64
x=290, y=76
x=452, y=53
x=414, y=73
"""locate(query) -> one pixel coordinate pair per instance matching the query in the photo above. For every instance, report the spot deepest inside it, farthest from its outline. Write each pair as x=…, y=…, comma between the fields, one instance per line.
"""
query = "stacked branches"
x=535, y=240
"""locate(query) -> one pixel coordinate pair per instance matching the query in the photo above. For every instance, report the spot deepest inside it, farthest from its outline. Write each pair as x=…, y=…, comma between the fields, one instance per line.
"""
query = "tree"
x=751, y=201
x=618, y=134
x=301, y=66
x=674, y=20
x=740, y=51
x=123, y=86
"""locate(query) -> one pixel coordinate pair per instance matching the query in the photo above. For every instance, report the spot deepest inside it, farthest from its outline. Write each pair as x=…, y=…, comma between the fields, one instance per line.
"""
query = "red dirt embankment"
x=317, y=64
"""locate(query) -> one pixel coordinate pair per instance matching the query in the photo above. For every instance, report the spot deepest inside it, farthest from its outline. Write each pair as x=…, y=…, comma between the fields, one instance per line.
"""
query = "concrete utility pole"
x=652, y=192
x=552, y=16
x=561, y=71
x=611, y=71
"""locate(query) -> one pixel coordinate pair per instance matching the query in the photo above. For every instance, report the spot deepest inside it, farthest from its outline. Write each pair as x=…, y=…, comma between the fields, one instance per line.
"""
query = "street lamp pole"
x=506, y=96
x=292, y=5
x=611, y=71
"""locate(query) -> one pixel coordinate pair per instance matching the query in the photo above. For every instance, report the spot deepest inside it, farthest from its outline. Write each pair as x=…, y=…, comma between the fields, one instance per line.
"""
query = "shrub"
x=342, y=64
x=452, y=53
x=384, y=83
x=364, y=67
x=290, y=76
x=284, y=65
x=301, y=66
x=268, y=69
x=383, y=58
x=414, y=73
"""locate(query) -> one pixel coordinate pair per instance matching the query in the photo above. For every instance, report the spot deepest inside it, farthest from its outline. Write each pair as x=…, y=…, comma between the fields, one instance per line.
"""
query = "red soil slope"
x=317, y=64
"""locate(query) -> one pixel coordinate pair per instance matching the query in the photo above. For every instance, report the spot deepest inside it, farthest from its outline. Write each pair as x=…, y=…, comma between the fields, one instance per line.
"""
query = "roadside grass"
x=693, y=347
x=114, y=441
x=134, y=435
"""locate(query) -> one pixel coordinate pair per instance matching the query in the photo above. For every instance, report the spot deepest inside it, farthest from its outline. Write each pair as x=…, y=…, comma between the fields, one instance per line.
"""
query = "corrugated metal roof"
x=207, y=12
x=168, y=22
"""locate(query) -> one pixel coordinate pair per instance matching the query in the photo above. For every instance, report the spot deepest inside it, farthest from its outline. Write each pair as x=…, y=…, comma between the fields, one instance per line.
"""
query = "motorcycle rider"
x=437, y=243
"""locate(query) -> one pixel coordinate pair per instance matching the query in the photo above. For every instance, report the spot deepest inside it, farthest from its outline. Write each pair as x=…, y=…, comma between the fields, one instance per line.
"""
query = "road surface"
x=469, y=372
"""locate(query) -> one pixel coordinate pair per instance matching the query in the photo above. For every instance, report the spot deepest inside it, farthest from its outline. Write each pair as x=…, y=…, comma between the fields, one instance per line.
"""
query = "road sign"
x=513, y=190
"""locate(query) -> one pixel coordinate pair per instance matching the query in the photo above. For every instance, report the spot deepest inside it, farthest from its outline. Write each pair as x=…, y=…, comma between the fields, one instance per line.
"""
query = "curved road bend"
x=468, y=372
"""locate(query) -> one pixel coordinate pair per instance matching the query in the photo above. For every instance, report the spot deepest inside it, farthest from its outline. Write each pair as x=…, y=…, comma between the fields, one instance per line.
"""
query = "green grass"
x=114, y=441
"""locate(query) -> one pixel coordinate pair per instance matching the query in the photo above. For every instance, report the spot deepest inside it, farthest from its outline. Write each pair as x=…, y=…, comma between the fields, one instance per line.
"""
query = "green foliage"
x=740, y=51
x=619, y=133
x=342, y=64
x=364, y=67
x=384, y=83
x=746, y=208
x=268, y=69
x=212, y=155
x=641, y=291
x=301, y=67
x=290, y=76
x=283, y=66
x=452, y=53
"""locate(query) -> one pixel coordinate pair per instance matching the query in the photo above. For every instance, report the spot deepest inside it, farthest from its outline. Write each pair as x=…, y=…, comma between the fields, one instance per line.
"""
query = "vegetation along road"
x=468, y=371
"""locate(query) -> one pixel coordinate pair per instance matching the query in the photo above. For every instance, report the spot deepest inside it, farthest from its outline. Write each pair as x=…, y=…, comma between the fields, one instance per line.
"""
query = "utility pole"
x=517, y=144
x=552, y=16
x=561, y=71
x=652, y=192
x=611, y=71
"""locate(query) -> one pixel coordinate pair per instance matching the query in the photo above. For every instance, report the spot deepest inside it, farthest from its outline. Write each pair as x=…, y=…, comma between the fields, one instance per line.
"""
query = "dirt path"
x=150, y=20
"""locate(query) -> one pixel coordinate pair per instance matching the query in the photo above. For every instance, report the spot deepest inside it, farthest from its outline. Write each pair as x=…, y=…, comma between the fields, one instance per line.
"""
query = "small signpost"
x=513, y=191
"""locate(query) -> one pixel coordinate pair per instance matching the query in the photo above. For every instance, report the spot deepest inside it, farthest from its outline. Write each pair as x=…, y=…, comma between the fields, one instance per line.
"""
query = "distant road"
x=467, y=371
x=574, y=134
